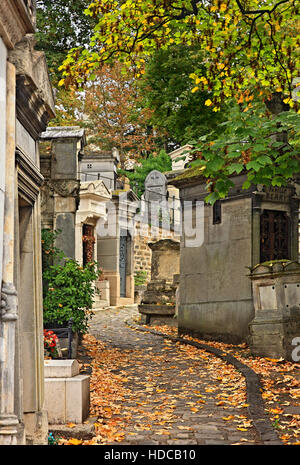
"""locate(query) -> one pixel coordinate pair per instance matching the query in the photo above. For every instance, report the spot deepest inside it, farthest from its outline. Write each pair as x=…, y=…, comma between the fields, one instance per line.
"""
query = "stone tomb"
x=248, y=227
x=275, y=329
x=67, y=393
x=159, y=301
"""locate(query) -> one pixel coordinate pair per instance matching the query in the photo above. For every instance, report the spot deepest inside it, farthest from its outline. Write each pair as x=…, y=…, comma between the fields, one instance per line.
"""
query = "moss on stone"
x=194, y=172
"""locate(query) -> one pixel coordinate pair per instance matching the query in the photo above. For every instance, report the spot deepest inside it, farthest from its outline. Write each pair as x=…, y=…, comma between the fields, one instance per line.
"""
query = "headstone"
x=155, y=187
x=165, y=259
x=158, y=304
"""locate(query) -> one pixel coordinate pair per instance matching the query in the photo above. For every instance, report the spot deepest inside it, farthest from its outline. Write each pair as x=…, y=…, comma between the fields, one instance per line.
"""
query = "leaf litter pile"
x=280, y=382
x=159, y=394
x=174, y=389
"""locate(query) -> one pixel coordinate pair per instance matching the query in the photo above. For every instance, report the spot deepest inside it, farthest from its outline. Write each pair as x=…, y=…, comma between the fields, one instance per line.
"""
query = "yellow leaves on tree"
x=256, y=46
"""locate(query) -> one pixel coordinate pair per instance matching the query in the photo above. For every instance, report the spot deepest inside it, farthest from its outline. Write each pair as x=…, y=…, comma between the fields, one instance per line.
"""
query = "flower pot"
x=68, y=339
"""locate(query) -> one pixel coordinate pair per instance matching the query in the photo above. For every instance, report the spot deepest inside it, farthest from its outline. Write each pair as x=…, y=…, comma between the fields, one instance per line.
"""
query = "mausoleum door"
x=274, y=235
x=26, y=294
x=88, y=243
x=123, y=264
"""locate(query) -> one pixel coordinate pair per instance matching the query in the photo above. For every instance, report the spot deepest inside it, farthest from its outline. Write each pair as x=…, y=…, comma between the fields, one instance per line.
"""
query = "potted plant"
x=51, y=345
x=68, y=289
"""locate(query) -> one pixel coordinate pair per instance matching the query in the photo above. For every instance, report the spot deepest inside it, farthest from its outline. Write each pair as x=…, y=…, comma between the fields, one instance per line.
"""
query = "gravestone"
x=155, y=187
x=156, y=208
x=159, y=301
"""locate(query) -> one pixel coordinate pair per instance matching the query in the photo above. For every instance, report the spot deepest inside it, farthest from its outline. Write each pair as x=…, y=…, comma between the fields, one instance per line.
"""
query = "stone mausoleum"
x=68, y=203
x=245, y=229
x=26, y=106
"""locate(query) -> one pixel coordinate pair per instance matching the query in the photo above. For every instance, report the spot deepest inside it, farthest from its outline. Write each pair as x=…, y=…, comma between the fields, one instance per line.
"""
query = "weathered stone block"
x=61, y=368
x=67, y=399
x=276, y=292
x=77, y=398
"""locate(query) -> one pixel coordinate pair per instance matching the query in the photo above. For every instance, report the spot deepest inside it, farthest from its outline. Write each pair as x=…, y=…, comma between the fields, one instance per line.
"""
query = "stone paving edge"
x=256, y=408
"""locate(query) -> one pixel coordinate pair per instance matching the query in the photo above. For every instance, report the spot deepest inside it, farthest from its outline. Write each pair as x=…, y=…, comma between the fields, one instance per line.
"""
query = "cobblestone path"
x=179, y=393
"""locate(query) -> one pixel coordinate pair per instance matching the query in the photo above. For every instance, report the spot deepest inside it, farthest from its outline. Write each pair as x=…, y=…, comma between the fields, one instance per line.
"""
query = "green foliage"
x=253, y=142
x=245, y=44
x=249, y=49
x=140, y=278
x=70, y=287
x=61, y=25
x=49, y=251
x=160, y=162
x=177, y=112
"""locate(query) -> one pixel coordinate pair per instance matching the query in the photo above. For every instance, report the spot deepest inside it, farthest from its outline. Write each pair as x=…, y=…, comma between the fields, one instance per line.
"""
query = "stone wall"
x=215, y=292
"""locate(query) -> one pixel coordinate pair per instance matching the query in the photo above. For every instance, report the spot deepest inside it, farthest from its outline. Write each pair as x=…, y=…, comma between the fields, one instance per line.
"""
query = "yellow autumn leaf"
x=75, y=442
x=276, y=410
x=70, y=425
x=276, y=360
x=195, y=89
x=208, y=103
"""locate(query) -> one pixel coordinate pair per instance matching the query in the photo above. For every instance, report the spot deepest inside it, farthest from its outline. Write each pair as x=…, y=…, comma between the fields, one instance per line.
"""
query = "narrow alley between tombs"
x=148, y=390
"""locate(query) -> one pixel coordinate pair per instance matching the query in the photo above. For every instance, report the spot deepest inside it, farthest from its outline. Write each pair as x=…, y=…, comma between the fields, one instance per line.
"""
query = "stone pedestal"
x=103, y=298
x=67, y=393
x=139, y=291
x=276, y=297
x=158, y=304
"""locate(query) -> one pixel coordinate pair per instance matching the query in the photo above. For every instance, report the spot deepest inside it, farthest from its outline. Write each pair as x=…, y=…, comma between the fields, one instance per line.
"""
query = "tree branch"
x=259, y=12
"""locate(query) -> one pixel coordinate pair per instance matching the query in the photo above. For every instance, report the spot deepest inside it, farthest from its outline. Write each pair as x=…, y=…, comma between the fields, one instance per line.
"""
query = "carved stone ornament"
x=97, y=188
x=64, y=188
x=276, y=194
x=35, y=99
x=17, y=18
x=9, y=302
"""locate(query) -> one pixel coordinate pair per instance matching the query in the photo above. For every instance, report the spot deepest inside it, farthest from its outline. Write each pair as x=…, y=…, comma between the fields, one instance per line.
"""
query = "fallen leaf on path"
x=75, y=442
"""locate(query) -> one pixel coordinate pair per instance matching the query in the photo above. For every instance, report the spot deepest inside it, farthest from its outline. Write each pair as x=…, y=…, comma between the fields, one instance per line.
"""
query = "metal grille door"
x=123, y=265
x=274, y=236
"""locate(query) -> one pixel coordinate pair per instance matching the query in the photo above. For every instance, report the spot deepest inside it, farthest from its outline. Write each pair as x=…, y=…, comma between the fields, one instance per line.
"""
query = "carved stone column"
x=8, y=419
x=8, y=316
